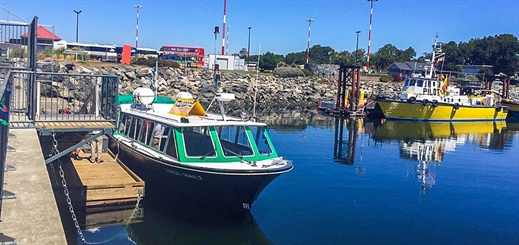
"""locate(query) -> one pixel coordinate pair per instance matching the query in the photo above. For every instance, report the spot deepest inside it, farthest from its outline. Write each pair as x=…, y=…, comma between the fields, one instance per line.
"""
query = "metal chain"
x=136, y=208
x=65, y=190
x=54, y=150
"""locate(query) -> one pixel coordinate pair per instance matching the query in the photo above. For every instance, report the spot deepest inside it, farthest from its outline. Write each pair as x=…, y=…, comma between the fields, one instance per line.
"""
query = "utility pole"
x=248, y=51
x=227, y=41
x=357, y=48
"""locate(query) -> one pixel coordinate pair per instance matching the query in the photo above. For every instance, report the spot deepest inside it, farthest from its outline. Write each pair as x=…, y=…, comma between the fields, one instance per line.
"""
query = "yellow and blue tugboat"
x=434, y=98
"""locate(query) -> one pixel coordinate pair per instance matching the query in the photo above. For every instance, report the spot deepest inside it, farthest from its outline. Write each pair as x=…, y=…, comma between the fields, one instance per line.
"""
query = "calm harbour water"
x=380, y=183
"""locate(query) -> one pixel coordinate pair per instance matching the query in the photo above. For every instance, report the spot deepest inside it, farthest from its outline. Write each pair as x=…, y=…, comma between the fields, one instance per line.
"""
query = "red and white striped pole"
x=137, y=6
x=224, y=28
x=310, y=20
x=369, y=35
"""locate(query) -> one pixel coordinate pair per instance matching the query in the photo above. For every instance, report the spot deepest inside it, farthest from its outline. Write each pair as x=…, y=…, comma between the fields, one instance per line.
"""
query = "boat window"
x=419, y=83
x=134, y=126
x=234, y=141
x=406, y=84
x=428, y=84
x=169, y=142
x=159, y=136
x=198, y=142
x=260, y=138
x=412, y=82
x=124, y=125
x=145, y=133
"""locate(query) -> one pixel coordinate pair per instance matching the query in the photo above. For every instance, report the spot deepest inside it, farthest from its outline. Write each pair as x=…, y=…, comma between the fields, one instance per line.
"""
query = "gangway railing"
x=5, y=93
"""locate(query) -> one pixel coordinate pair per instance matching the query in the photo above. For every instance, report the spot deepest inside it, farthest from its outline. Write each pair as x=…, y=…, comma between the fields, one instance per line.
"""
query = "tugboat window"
x=234, y=141
x=198, y=142
x=260, y=138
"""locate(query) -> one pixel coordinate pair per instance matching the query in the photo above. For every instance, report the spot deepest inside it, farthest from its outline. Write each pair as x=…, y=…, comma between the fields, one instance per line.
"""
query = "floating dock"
x=109, y=182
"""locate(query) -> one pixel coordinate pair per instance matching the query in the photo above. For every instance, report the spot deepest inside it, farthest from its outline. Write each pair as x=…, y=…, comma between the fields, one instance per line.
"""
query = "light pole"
x=77, y=22
x=310, y=20
x=248, y=50
x=227, y=41
x=137, y=6
x=216, y=32
x=369, y=35
x=357, y=48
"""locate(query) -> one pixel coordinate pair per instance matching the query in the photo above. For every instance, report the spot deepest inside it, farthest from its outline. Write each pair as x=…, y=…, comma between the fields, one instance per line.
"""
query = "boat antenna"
x=256, y=84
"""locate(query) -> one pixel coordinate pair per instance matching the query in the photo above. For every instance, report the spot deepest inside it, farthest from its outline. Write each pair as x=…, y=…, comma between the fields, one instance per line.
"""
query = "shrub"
x=281, y=64
x=386, y=78
x=18, y=53
x=151, y=62
x=306, y=72
x=288, y=72
x=397, y=78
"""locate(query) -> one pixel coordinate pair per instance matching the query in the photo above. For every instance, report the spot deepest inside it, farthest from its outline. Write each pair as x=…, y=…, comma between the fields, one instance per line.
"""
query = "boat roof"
x=161, y=113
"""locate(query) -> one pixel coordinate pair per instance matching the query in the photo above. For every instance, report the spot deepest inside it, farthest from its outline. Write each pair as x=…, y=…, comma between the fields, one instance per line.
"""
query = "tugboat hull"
x=417, y=111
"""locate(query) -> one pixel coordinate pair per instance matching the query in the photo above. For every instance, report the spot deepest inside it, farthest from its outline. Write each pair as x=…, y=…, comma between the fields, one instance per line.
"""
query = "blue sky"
x=278, y=26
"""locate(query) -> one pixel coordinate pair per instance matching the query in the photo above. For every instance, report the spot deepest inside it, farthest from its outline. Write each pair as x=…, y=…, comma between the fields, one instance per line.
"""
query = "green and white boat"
x=188, y=157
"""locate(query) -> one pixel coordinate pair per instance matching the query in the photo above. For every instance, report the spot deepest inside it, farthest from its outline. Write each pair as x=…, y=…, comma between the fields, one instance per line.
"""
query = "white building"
x=226, y=62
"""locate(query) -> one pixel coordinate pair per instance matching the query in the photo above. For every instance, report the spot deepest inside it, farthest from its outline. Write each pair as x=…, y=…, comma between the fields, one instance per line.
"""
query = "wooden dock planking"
x=108, y=182
x=73, y=125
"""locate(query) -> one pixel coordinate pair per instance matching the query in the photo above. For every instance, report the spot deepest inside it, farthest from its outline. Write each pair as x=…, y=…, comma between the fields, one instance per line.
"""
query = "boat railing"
x=155, y=115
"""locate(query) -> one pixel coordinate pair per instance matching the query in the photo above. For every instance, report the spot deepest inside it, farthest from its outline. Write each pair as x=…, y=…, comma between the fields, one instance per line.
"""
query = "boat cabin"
x=196, y=138
x=433, y=91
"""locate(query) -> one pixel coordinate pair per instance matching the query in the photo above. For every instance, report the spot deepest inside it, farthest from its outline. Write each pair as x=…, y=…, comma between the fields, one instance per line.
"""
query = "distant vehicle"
x=146, y=52
x=186, y=56
x=94, y=51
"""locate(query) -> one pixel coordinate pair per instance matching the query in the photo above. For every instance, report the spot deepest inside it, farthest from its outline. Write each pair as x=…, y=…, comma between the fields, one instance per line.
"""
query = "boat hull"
x=216, y=193
x=513, y=111
x=403, y=110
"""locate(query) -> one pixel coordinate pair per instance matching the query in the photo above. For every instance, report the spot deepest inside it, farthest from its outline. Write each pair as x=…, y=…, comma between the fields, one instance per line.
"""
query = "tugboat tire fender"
x=456, y=106
x=411, y=100
x=425, y=102
x=434, y=103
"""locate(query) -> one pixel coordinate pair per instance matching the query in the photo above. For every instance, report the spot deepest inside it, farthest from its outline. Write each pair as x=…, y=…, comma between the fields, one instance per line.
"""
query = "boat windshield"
x=260, y=138
x=234, y=141
x=198, y=142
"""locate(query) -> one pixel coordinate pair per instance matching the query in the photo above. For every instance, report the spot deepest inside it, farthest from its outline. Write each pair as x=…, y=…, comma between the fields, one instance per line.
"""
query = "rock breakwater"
x=272, y=93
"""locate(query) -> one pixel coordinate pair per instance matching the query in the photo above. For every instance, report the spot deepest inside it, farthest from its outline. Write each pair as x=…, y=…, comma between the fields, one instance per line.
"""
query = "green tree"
x=407, y=55
x=269, y=60
x=320, y=55
x=344, y=58
x=298, y=58
x=384, y=57
x=453, y=56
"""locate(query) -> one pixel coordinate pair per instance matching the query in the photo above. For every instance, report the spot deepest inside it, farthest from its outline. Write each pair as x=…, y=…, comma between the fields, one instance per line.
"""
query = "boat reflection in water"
x=158, y=228
x=427, y=142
